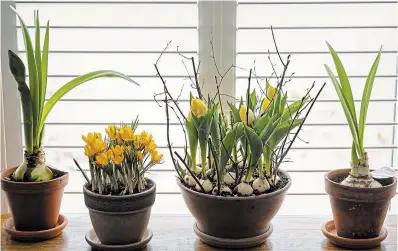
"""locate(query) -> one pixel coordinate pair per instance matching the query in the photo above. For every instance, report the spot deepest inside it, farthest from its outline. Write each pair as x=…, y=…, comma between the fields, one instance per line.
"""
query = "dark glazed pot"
x=358, y=213
x=120, y=220
x=233, y=217
x=34, y=205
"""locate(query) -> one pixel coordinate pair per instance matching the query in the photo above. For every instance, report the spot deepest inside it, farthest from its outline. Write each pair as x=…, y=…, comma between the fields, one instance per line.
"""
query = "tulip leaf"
x=284, y=129
x=226, y=149
x=193, y=140
x=345, y=83
x=283, y=103
x=267, y=132
x=289, y=111
x=235, y=113
x=351, y=122
x=74, y=83
x=261, y=123
x=253, y=100
x=256, y=146
x=366, y=97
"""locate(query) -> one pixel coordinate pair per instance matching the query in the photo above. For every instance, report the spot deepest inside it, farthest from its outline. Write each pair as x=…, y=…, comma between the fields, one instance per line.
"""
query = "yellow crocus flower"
x=140, y=156
x=91, y=137
x=127, y=149
x=151, y=146
x=117, y=154
x=156, y=157
x=265, y=105
x=112, y=132
x=126, y=134
x=271, y=92
x=102, y=159
x=242, y=114
x=198, y=108
x=88, y=151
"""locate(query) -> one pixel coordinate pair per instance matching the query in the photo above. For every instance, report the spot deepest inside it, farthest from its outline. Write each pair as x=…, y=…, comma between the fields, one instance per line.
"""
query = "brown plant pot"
x=34, y=205
x=358, y=213
x=233, y=217
x=120, y=220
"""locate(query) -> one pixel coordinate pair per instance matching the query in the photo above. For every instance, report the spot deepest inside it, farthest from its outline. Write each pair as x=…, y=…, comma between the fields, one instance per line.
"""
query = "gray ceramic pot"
x=233, y=217
x=120, y=220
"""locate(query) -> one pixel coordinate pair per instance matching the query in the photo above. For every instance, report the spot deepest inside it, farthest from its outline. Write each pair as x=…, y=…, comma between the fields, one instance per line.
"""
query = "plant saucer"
x=94, y=242
x=41, y=235
x=233, y=243
x=329, y=231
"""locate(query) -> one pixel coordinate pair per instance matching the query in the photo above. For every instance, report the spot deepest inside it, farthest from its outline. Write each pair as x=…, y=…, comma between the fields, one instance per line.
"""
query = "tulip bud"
x=271, y=91
x=198, y=108
x=242, y=114
x=265, y=105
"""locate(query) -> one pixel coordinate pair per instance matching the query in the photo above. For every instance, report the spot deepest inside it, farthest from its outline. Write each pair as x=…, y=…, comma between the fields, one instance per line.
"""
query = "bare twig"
x=190, y=171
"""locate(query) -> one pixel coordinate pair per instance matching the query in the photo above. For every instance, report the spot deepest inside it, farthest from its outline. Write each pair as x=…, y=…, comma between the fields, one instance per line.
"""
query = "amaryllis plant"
x=33, y=95
x=360, y=175
x=118, y=162
x=241, y=145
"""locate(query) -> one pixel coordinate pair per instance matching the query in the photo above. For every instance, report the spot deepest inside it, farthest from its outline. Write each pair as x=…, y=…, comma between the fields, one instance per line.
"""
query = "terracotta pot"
x=34, y=205
x=120, y=220
x=233, y=217
x=358, y=213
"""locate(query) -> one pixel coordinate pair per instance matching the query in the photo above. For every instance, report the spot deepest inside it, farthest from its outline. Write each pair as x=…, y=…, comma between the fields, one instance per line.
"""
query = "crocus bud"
x=243, y=117
x=265, y=105
x=198, y=108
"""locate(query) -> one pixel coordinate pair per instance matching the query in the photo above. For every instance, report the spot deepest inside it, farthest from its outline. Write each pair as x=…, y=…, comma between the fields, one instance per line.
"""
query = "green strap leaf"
x=366, y=97
x=345, y=83
x=44, y=70
x=33, y=78
x=18, y=71
x=267, y=132
x=74, y=83
x=235, y=113
x=282, y=130
x=226, y=149
x=261, y=123
x=193, y=139
x=351, y=122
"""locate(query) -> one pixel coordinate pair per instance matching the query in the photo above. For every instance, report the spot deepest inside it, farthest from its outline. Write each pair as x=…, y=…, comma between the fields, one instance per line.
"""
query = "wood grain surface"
x=175, y=233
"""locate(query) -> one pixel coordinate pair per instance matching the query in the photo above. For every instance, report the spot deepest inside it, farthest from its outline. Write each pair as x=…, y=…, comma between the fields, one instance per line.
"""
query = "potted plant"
x=359, y=202
x=34, y=190
x=238, y=187
x=118, y=196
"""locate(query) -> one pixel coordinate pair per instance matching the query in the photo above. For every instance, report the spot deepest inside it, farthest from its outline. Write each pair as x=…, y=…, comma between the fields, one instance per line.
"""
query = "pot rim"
x=261, y=196
x=362, y=189
x=27, y=183
x=151, y=190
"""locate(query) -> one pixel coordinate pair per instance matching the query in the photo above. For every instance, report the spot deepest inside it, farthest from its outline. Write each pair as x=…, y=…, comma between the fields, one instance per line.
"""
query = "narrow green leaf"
x=289, y=111
x=351, y=122
x=261, y=123
x=44, y=68
x=366, y=97
x=235, y=113
x=192, y=138
x=226, y=149
x=256, y=146
x=283, y=103
x=74, y=83
x=33, y=78
x=267, y=132
x=17, y=69
x=38, y=61
x=253, y=100
x=345, y=83
x=283, y=129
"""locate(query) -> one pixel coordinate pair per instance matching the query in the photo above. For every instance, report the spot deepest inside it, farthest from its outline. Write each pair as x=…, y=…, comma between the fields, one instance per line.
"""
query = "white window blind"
x=356, y=29
x=128, y=36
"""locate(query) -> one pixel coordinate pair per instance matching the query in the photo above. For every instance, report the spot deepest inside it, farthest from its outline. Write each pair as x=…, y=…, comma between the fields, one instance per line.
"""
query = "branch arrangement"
x=240, y=148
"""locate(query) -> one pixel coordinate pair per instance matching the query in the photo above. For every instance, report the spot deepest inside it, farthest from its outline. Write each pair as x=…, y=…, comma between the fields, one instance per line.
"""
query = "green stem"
x=249, y=173
x=193, y=160
x=267, y=163
x=203, y=158
x=260, y=168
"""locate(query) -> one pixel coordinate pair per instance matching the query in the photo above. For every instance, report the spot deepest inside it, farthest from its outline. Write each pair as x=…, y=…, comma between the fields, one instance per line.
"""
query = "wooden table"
x=175, y=233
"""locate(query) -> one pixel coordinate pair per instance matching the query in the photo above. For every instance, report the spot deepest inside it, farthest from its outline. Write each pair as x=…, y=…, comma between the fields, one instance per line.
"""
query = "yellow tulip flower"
x=198, y=108
x=265, y=105
x=271, y=92
x=112, y=132
x=243, y=117
x=189, y=117
x=102, y=159
x=126, y=134
x=156, y=157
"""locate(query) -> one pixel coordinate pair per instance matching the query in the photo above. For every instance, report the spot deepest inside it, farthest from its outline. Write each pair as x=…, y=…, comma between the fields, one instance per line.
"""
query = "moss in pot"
x=237, y=188
x=33, y=184
x=118, y=195
x=359, y=202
